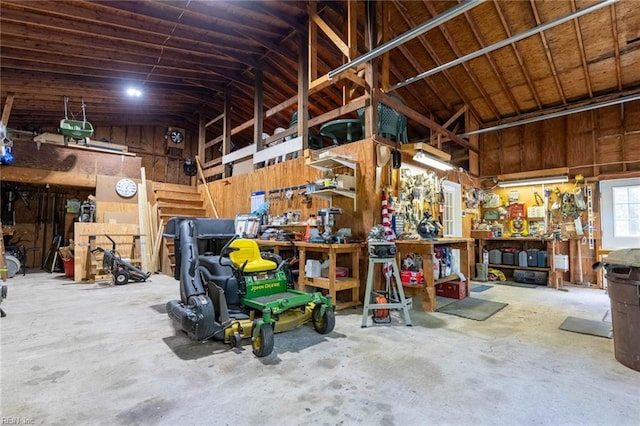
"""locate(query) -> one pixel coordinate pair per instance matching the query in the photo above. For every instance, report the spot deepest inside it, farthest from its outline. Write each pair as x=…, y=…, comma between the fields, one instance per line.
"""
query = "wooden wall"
x=66, y=166
x=233, y=195
x=581, y=258
x=597, y=143
x=161, y=163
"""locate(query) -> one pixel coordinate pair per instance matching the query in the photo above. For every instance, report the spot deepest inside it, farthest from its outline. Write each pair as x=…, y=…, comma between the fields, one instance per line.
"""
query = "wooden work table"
x=425, y=248
x=277, y=246
x=334, y=285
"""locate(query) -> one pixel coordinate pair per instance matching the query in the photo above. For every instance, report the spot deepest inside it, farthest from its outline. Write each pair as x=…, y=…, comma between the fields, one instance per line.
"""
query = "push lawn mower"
x=232, y=291
x=122, y=271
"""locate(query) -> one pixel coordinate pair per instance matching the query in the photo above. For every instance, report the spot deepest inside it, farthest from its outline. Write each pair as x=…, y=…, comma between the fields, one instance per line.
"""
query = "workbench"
x=332, y=252
x=425, y=248
x=276, y=246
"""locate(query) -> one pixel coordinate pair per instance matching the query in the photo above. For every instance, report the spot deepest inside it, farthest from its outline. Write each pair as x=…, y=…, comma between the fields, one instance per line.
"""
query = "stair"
x=176, y=201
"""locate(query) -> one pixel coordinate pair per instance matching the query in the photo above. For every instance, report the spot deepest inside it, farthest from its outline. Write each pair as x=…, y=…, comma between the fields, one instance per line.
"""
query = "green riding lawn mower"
x=229, y=290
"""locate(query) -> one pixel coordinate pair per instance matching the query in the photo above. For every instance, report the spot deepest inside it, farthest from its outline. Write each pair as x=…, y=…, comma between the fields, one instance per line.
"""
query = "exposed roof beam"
x=547, y=51
x=474, y=79
x=583, y=55
x=505, y=88
x=616, y=44
x=409, y=35
x=505, y=42
x=436, y=60
x=561, y=113
x=517, y=54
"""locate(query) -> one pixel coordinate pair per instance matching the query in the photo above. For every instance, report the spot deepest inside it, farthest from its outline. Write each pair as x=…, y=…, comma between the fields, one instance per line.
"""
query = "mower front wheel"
x=323, y=324
x=262, y=345
x=121, y=277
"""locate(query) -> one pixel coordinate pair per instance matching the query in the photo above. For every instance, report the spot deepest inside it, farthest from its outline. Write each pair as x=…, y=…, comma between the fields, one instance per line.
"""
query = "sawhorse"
x=403, y=303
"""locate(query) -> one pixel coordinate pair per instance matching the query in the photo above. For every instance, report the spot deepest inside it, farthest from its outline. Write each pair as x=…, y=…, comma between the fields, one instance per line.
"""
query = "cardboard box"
x=345, y=181
x=452, y=289
x=410, y=278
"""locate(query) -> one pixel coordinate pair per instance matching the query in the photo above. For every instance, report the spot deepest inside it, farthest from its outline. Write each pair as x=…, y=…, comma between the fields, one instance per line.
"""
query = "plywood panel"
x=580, y=143
x=510, y=148
x=489, y=155
x=106, y=192
x=86, y=264
x=533, y=140
x=554, y=152
x=77, y=163
x=116, y=211
x=232, y=195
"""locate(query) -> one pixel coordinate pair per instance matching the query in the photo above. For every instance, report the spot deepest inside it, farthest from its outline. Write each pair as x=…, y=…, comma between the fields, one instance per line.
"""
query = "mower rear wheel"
x=236, y=341
x=121, y=277
x=263, y=344
x=323, y=324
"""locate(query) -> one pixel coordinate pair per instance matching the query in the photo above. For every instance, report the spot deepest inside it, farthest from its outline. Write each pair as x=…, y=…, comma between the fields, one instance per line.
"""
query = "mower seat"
x=249, y=252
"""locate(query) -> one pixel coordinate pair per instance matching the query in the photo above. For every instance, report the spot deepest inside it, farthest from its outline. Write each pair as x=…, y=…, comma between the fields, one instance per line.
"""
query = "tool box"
x=452, y=289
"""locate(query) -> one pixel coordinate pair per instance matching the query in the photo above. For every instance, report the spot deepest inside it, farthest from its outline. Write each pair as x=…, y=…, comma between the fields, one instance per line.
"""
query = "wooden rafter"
x=6, y=110
x=583, y=55
x=517, y=54
x=391, y=102
x=384, y=37
x=548, y=53
x=312, y=42
x=480, y=40
x=146, y=32
x=436, y=60
x=472, y=76
x=455, y=116
x=331, y=33
x=417, y=68
x=616, y=44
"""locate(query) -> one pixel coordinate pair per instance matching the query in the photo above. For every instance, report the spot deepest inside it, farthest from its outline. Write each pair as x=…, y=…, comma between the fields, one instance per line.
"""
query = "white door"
x=452, y=217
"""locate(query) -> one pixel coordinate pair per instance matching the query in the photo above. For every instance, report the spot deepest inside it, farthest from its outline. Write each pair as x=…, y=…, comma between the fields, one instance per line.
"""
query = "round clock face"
x=126, y=188
x=176, y=136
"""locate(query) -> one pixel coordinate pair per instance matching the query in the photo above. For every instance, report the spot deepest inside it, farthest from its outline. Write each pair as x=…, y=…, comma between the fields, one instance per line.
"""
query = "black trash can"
x=623, y=278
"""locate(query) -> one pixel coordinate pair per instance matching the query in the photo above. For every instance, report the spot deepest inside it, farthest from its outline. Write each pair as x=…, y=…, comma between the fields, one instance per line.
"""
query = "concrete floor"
x=85, y=354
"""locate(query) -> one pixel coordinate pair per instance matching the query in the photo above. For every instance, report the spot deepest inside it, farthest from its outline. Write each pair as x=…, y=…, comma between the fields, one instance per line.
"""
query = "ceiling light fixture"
x=534, y=181
x=430, y=161
x=133, y=92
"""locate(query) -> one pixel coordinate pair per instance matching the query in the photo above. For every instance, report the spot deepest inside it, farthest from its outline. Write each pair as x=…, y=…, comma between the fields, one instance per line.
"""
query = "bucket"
x=68, y=267
x=624, y=292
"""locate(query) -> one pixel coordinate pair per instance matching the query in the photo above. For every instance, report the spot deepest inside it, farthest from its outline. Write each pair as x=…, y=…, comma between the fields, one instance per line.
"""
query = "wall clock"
x=126, y=188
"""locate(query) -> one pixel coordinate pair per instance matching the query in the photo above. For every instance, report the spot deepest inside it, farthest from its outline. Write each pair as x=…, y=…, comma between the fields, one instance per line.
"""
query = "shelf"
x=530, y=268
x=328, y=193
x=338, y=284
x=329, y=164
x=453, y=277
x=516, y=239
x=288, y=225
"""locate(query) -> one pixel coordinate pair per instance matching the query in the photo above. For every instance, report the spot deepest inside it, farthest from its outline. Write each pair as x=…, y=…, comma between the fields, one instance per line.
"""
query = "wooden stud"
x=6, y=111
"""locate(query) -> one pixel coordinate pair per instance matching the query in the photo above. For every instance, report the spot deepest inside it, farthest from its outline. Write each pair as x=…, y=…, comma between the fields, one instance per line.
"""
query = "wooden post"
x=3, y=265
x=6, y=111
x=226, y=132
x=258, y=111
x=143, y=219
x=303, y=90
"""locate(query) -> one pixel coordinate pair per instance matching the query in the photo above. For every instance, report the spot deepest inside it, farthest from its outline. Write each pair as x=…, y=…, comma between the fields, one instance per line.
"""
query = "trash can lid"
x=626, y=257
